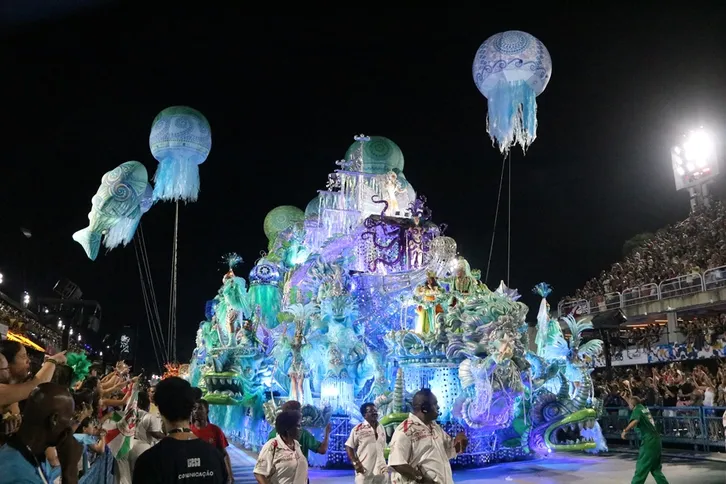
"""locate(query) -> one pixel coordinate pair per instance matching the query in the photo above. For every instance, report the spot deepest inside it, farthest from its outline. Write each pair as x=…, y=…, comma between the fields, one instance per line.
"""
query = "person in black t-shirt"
x=181, y=456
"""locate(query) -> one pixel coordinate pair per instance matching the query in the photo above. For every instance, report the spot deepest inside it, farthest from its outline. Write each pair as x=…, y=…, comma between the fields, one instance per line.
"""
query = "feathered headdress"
x=542, y=289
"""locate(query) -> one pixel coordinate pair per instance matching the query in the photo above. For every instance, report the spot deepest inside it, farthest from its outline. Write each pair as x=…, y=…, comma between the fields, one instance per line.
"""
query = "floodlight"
x=694, y=159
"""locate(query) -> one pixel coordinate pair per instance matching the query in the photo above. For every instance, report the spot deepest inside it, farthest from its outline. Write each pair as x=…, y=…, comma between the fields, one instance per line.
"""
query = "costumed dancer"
x=393, y=188
x=649, y=455
x=365, y=447
x=428, y=294
x=298, y=368
x=420, y=449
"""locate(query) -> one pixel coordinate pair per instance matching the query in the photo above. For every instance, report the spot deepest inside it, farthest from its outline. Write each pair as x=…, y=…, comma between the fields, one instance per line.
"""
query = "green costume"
x=650, y=447
x=306, y=440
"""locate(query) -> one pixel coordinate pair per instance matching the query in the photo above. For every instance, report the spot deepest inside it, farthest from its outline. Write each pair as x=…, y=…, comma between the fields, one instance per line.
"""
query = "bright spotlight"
x=699, y=148
x=26, y=299
x=1, y=278
x=695, y=161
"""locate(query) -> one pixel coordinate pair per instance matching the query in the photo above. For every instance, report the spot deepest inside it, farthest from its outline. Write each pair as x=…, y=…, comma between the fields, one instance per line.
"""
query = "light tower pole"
x=695, y=165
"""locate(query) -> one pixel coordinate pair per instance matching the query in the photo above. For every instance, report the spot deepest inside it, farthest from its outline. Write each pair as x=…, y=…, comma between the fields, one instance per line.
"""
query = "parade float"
x=361, y=297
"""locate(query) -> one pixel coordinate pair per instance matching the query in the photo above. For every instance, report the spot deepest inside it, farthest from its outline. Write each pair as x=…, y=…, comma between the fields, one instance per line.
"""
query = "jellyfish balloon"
x=511, y=69
x=117, y=199
x=180, y=141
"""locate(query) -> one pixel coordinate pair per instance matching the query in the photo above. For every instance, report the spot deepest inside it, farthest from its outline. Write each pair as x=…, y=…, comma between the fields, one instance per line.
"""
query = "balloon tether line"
x=496, y=218
x=172, y=298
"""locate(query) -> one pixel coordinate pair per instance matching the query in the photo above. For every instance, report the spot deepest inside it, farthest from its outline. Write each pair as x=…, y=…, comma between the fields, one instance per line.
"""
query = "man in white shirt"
x=148, y=430
x=420, y=449
x=365, y=447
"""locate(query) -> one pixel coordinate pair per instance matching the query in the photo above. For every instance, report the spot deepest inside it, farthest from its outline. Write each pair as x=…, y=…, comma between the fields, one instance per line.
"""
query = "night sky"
x=284, y=97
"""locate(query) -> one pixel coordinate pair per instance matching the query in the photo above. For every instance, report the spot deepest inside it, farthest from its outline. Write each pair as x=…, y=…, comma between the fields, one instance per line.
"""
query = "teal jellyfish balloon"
x=118, y=197
x=180, y=140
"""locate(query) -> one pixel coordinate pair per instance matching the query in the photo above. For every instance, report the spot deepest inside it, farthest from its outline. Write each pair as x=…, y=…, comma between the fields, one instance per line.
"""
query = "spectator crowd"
x=106, y=427
x=670, y=385
x=693, y=245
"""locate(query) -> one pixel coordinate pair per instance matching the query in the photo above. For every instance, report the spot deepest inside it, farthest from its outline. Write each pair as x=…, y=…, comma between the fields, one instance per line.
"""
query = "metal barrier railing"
x=682, y=285
x=697, y=426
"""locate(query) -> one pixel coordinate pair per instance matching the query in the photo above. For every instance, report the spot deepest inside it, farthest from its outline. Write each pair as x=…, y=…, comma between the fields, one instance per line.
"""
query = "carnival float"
x=362, y=297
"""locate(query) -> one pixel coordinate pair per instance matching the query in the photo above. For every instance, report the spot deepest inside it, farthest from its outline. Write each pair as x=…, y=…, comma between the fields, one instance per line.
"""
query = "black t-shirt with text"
x=183, y=461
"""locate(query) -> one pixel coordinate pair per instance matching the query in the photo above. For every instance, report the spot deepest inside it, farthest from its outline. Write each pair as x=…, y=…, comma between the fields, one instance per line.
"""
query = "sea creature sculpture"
x=118, y=197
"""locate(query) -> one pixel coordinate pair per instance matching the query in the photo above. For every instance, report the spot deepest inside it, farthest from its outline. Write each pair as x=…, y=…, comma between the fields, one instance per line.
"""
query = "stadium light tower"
x=695, y=165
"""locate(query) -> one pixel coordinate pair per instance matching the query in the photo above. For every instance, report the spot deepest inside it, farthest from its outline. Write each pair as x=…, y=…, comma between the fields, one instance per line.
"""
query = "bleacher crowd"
x=693, y=245
x=670, y=385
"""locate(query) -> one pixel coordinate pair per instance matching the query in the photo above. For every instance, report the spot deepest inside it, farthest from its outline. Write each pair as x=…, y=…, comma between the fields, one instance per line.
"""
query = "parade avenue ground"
x=613, y=468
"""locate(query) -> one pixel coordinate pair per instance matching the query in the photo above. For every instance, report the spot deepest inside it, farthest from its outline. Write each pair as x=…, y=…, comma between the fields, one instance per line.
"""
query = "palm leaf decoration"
x=577, y=327
x=591, y=349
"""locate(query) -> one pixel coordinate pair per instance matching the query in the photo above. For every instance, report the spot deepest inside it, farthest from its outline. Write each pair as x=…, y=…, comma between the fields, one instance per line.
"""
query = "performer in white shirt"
x=365, y=448
x=420, y=449
x=280, y=460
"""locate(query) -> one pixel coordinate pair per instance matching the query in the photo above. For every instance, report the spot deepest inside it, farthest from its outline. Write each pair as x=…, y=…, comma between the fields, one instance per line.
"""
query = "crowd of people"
x=704, y=330
x=671, y=385
x=694, y=245
x=54, y=429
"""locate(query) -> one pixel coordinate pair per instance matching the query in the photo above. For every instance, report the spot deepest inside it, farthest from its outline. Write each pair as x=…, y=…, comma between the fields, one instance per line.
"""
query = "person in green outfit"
x=306, y=440
x=650, y=444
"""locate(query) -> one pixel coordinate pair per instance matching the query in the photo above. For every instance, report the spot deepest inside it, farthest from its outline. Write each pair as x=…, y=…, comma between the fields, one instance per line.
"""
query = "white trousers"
x=371, y=479
x=137, y=449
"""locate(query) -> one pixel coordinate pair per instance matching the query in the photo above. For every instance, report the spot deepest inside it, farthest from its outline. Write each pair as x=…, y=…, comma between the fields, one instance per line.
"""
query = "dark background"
x=284, y=96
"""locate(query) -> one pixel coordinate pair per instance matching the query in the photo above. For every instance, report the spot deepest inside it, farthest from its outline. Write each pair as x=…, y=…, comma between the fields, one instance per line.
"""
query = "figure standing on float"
x=428, y=294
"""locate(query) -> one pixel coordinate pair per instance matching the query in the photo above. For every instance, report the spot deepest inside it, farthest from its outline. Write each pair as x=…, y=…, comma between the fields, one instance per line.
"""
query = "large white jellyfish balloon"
x=511, y=69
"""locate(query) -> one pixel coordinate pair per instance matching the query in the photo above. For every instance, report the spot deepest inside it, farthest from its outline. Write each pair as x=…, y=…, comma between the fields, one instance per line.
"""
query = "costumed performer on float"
x=365, y=447
x=428, y=295
x=420, y=449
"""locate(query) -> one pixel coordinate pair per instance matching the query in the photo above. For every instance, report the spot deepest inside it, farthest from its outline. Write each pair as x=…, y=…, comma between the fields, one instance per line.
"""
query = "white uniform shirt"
x=148, y=422
x=427, y=448
x=362, y=439
x=281, y=464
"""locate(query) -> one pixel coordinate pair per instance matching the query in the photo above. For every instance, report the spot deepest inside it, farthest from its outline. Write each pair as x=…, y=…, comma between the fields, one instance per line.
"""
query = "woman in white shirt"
x=281, y=461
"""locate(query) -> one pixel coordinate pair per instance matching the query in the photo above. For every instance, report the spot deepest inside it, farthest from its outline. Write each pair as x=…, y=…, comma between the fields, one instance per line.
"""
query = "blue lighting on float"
x=361, y=298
